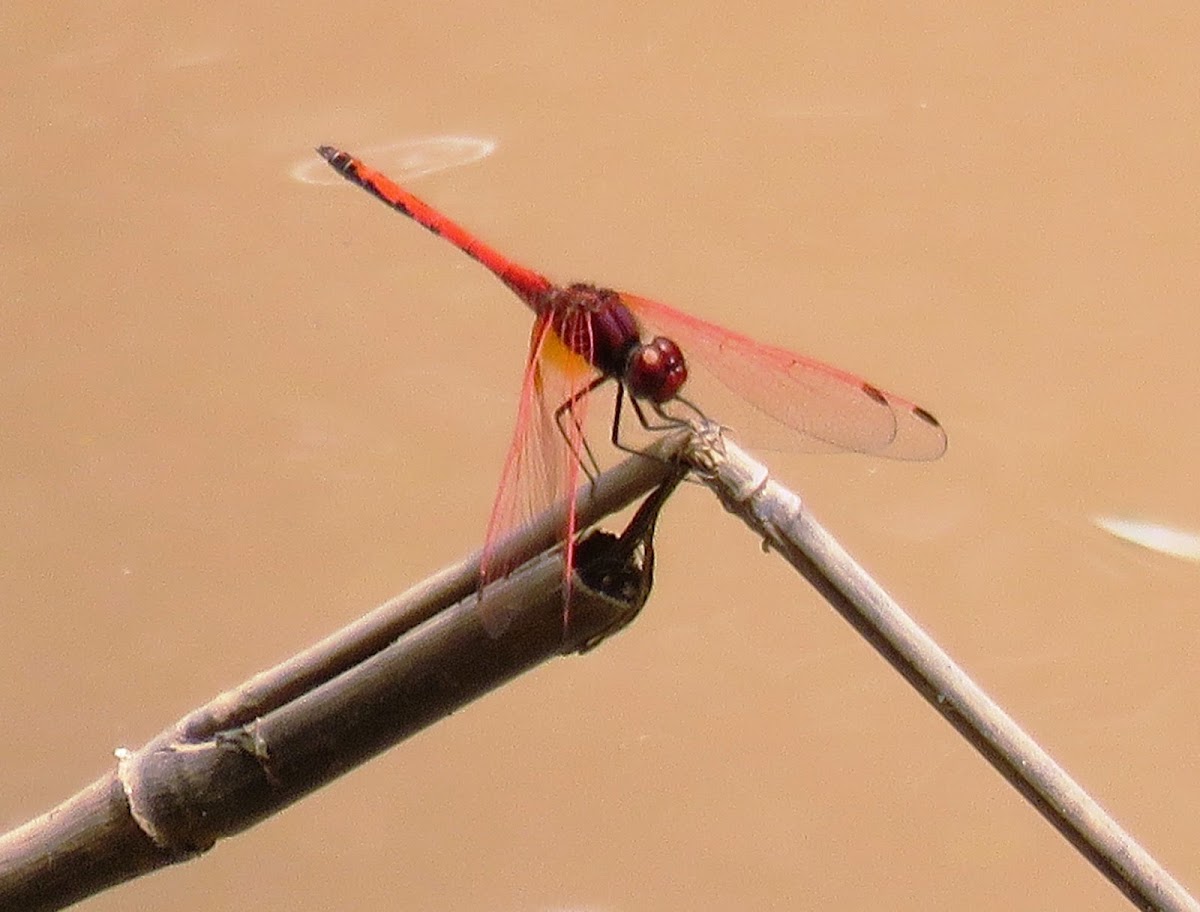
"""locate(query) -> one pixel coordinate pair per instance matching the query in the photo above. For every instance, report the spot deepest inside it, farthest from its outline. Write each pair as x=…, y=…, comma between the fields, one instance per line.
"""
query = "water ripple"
x=404, y=160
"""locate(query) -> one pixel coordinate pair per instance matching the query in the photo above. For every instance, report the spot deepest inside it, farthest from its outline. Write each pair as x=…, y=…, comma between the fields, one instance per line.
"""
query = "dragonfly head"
x=655, y=370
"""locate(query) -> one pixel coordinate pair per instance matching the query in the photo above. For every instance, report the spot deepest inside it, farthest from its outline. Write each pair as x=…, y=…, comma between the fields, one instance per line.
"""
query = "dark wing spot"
x=876, y=394
x=925, y=416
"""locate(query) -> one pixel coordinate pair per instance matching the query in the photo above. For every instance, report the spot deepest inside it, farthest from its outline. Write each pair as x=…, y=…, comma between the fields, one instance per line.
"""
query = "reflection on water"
x=1155, y=536
x=405, y=159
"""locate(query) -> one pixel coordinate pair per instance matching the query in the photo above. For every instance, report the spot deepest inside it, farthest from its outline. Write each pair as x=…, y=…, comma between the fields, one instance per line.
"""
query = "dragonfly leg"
x=674, y=420
x=616, y=425
x=590, y=466
x=669, y=422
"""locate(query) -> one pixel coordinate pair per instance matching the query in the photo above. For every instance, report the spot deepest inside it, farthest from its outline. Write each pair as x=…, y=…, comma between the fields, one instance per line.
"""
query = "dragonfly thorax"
x=594, y=323
x=597, y=324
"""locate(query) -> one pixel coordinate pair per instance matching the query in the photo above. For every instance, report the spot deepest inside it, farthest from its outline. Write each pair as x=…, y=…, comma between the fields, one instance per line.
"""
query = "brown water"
x=240, y=407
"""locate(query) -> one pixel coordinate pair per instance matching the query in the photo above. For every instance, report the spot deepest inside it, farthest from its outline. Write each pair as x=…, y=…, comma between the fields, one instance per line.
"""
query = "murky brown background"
x=242, y=403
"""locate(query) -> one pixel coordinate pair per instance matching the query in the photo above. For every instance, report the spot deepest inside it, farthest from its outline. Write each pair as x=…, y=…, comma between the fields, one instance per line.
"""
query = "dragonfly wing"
x=542, y=466
x=828, y=408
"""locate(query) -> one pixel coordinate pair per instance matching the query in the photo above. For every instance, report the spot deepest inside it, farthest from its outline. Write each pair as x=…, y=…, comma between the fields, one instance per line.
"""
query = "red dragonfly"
x=585, y=335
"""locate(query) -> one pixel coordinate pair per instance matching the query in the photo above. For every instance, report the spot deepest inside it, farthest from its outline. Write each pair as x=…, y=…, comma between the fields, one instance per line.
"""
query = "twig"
x=287, y=731
x=416, y=658
x=775, y=513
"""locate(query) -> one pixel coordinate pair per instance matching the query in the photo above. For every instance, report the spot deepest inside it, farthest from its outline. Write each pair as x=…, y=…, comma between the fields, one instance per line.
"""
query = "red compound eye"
x=656, y=370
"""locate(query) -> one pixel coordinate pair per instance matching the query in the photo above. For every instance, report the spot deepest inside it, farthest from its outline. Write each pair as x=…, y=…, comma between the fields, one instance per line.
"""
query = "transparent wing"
x=543, y=462
x=818, y=406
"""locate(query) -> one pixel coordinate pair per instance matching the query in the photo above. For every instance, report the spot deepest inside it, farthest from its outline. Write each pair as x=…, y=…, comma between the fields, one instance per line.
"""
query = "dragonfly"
x=586, y=335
